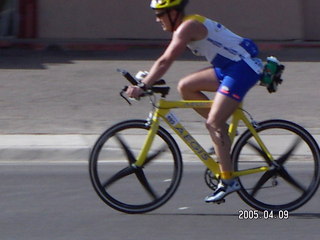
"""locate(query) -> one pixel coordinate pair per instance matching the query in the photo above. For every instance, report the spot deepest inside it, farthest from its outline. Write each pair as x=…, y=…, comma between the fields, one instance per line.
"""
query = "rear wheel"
x=293, y=177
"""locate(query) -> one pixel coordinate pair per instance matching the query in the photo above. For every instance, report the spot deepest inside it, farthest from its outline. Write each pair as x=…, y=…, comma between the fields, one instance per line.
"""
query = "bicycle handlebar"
x=128, y=76
x=164, y=91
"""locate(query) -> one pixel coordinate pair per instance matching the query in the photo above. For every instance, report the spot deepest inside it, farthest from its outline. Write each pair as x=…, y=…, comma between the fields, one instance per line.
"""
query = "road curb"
x=46, y=147
x=73, y=147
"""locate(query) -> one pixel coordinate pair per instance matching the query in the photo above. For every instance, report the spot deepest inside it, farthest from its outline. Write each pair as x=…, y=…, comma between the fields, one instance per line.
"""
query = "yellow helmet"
x=165, y=4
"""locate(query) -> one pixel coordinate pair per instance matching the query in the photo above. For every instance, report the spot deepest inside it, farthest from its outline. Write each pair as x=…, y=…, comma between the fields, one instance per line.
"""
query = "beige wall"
x=312, y=19
x=99, y=19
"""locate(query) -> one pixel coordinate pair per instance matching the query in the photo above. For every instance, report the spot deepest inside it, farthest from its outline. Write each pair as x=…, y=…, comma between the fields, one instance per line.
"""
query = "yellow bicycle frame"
x=163, y=112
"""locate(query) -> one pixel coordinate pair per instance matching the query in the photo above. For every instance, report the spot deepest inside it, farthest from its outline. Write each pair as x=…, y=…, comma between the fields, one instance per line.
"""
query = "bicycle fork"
x=153, y=124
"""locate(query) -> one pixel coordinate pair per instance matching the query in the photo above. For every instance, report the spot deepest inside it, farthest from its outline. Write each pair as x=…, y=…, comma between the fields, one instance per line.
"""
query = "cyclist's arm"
x=176, y=47
x=188, y=31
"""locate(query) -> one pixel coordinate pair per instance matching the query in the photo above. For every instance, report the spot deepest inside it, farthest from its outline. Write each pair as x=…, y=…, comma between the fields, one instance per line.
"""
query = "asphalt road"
x=57, y=201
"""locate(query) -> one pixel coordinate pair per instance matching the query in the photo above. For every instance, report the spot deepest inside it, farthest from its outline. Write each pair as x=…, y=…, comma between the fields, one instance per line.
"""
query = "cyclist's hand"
x=134, y=92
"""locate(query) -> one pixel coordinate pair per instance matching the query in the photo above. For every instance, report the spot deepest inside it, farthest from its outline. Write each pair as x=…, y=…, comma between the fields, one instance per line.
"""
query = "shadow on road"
x=18, y=58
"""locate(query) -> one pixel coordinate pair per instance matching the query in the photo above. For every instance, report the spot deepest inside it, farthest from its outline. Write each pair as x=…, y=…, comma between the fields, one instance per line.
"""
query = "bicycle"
x=268, y=172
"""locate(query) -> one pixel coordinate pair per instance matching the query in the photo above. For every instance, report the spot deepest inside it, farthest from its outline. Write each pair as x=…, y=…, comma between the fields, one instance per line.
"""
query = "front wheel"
x=129, y=188
x=294, y=175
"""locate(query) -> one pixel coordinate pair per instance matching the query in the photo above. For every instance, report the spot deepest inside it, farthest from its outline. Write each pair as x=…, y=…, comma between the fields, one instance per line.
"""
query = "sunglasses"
x=160, y=14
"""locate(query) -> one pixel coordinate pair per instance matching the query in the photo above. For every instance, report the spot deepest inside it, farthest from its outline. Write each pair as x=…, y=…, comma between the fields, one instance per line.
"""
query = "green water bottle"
x=270, y=70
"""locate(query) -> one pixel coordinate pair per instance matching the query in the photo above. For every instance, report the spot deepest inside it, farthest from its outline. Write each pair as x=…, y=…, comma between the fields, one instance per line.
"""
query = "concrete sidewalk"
x=76, y=148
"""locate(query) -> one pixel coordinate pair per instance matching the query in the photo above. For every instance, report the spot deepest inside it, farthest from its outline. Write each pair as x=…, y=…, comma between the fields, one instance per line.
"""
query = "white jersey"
x=221, y=46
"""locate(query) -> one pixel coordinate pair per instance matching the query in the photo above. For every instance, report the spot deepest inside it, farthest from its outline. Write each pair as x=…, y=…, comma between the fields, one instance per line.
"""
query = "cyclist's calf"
x=219, y=134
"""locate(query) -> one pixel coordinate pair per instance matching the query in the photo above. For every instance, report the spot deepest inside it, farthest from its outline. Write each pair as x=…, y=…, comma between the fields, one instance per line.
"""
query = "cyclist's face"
x=162, y=17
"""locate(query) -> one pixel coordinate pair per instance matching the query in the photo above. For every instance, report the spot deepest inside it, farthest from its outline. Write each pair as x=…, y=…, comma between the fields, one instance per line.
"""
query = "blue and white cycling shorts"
x=236, y=79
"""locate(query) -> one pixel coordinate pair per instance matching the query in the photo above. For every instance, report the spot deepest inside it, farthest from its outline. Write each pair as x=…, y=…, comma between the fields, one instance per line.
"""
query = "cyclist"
x=234, y=70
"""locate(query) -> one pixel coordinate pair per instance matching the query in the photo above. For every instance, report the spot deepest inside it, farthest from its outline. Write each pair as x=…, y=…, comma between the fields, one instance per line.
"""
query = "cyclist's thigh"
x=202, y=80
x=222, y=108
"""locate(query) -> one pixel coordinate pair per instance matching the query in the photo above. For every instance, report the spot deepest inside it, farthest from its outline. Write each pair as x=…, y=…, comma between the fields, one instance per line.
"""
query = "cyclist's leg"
x=220, y=111
x=236, y=82
x=191, y=87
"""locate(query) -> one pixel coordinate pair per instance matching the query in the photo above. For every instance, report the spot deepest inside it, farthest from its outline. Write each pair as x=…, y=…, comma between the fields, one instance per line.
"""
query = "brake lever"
x=125, y=98
x=122, y=95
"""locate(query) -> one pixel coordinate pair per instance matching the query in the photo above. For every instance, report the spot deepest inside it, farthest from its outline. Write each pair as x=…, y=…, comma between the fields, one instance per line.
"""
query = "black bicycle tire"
x=123, y=207
x=307, y=138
